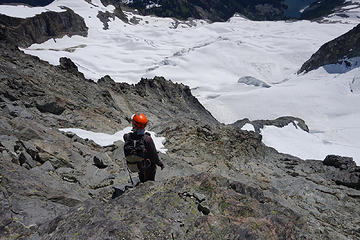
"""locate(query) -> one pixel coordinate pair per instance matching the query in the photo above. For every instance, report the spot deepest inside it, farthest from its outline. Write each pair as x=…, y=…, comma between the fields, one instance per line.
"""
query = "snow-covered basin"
x=328, y=103
x=294, y=141
x=211, y=58
x=104, y=139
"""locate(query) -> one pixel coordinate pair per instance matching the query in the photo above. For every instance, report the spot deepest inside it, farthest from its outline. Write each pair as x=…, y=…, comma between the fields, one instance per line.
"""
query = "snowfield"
x=104, y=139
x=237, y=69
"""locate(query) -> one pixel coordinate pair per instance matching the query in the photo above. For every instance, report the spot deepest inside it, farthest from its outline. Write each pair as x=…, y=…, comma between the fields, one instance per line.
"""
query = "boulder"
x=101, y=161
x=68, y=65
x=50, y=105
x=343, y=163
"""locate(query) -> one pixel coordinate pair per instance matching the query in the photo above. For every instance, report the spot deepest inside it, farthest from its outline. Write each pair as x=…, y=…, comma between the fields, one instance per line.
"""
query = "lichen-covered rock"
x=162, y=211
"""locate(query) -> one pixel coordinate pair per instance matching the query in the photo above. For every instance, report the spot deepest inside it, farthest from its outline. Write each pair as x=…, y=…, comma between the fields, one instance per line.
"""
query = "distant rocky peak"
x=33, y=3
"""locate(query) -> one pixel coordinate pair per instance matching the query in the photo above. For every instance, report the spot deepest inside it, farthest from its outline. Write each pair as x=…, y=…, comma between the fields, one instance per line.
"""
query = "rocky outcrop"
x=337, y=51
x=42, y=27
x=279, y=122
x=64, y=92
x=169, y=211
x=251, y=81
x=68, y=65
x=321, y=8
x=118, y=12
x=214, y=10
x=219, y=182
x=33, y=3
x=349, y=174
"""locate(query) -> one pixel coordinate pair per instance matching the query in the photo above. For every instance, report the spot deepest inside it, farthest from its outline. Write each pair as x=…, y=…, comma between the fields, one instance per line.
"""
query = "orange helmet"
x=139, y=121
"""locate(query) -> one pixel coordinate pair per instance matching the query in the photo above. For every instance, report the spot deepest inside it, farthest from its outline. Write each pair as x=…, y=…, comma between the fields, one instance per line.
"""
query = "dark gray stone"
x=337, y=51
x=68, y=65
x=24, y=157
x=53, y=106
x=40, y=28
x=343, y=163
x=18, y=111
x=46, y=167
x=200, y=197
x=30, y=149
x=249, y=80
x=204, y=209
x=101, y=161
x=11, y=144
x=279, y=122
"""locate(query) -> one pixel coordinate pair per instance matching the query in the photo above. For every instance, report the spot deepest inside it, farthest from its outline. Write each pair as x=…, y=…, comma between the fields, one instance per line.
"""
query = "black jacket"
x=151, y=152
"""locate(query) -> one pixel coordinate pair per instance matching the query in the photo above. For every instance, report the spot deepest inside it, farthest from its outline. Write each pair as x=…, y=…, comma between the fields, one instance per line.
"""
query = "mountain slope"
x=213, y=10
x=341, y=51
x=34, y=3
x=212, y=58
x=42, y=27
x=320, y=9
x=219, y=181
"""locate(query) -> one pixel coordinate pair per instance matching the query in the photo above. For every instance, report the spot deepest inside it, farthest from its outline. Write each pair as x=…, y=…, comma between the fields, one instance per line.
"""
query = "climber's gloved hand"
x=162, y=166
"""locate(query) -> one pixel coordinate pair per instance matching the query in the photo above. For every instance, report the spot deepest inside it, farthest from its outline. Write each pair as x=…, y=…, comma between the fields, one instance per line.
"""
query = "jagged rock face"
x=214, y=10
x=105, y=16
x=321, y=8
x=219, y=181
x=34, y=3
x=345, y=47
x=160, y=99
x=69, y=66
x=106, y=106
x=42, y=27
x=279, y=122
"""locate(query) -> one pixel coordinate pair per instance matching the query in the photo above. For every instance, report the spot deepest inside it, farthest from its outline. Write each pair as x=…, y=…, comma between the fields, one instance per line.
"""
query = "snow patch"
x=104, y=139
x=294, y=141
x=351, y=10
x=22, y=11
x=248, y=127
x=152, y=5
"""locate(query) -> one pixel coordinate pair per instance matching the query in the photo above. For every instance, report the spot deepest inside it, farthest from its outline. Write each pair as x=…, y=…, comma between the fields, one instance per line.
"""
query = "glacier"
x=211, y=57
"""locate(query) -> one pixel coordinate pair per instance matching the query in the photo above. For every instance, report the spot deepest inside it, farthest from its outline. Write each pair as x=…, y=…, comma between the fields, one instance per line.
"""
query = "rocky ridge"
x=338, y=51
x=213, y=10
x=42, y=27
x=33, y=3
x=322, y=8
x=279, y=122
x=219, y=181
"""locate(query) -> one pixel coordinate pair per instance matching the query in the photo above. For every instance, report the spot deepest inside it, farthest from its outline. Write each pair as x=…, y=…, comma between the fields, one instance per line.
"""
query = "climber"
x=140, y=151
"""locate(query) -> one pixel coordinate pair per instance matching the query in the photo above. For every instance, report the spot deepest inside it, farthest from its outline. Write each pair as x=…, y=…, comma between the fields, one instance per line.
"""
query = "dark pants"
x=147, y=174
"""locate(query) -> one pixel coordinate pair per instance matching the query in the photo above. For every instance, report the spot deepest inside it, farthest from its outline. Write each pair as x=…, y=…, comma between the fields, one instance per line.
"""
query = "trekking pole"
x=130, y=177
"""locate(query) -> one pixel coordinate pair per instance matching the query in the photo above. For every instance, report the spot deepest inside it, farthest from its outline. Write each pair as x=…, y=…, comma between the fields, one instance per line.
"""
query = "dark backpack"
x=135, y=152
